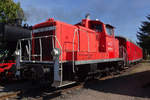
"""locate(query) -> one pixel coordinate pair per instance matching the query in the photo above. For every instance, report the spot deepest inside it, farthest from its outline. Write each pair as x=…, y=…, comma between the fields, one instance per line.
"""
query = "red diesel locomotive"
x=63, y=53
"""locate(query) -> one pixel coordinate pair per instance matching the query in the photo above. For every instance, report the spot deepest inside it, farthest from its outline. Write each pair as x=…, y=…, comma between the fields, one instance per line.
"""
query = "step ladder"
x=58, y=75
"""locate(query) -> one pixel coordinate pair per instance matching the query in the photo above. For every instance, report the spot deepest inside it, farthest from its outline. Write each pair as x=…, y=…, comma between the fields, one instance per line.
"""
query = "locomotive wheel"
x=87, y=72
x=81, y=73
x=50, y=76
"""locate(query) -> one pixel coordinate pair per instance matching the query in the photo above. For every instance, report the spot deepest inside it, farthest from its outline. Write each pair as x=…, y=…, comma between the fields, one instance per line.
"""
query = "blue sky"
x=125, y=15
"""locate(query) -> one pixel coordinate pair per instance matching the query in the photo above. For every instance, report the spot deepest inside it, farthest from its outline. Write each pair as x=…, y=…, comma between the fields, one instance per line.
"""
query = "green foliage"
x=10, y=11
x=144, y=36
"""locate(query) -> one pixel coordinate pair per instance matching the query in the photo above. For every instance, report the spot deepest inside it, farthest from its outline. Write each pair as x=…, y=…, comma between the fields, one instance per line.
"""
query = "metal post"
x=61, y=61
x=57, y=78
x=73, y=69
x=29, y=50
x=20, y=52
x=88, y=42
x=40, y=49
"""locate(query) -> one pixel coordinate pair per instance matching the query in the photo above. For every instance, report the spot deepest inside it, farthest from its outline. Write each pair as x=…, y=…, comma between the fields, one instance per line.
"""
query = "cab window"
x=96, y=27
x=109, y=30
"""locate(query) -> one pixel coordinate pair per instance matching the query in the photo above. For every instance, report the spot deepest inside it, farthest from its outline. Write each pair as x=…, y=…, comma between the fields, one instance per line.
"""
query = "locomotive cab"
x=98, y=28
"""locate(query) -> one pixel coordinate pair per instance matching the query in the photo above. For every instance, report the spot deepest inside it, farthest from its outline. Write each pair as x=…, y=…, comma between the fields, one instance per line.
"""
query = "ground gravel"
x=132, y=85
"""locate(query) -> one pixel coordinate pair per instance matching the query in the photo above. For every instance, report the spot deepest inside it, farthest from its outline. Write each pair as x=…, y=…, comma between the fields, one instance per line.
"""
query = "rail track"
x=54, y=92
x=9, y=95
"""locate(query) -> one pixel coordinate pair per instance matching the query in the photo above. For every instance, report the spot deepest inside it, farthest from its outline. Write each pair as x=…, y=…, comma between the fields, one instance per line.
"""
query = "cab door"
x=98, y=36
x=110, y=41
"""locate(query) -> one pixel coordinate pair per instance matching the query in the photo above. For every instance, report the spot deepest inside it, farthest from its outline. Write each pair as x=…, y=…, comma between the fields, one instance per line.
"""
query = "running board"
x=97, y=61
x=62, y=84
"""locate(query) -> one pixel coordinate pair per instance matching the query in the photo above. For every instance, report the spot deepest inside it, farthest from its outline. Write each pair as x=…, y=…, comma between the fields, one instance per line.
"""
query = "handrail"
x=38, y=37
x=76, y=30
x=40, y=49
x=20, y=52
x=29, y=50
x=40, y=46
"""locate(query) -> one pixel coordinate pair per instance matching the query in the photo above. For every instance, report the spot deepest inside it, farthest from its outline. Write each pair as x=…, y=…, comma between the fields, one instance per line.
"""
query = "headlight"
x=17, y=52
x=55, y=52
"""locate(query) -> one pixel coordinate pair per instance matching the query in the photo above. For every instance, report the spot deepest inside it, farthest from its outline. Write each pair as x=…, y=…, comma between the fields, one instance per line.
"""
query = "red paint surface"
x=134, y=52
x=98, y=46
x=5, y=66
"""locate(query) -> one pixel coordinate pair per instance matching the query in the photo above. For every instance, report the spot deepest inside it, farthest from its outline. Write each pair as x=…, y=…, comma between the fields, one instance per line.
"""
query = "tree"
x=143, y=36
x=10, y=11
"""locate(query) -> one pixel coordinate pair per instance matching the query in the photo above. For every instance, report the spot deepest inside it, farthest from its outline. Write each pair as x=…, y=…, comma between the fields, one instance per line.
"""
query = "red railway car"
x=134, y=53
x=64, y=52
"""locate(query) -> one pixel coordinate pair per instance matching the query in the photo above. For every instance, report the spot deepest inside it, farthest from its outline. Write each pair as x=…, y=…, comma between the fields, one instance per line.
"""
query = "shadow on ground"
x=137, y=85
x=29, y=90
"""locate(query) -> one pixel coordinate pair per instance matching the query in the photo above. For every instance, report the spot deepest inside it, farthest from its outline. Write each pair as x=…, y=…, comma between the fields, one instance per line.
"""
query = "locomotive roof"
x=108, y=25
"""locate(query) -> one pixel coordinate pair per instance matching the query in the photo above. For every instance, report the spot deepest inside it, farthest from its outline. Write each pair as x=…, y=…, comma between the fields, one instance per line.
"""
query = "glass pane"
x=109, y=30
x=96, y=27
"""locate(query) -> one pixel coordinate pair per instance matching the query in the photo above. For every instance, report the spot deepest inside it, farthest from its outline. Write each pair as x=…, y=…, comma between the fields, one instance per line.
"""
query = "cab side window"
x=109, y=30
x=96, y=27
